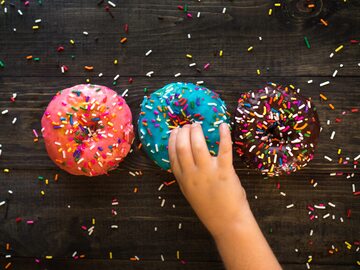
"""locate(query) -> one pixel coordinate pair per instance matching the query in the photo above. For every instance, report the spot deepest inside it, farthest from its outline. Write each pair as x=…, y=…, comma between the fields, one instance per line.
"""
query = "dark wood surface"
x=72, y=202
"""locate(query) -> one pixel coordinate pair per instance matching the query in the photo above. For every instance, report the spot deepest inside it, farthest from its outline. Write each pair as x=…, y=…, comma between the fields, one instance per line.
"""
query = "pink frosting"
x=87, y=129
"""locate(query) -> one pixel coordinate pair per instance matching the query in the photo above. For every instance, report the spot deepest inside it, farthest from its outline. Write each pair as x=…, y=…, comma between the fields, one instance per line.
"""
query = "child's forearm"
x=243, y=246
x=214, y=190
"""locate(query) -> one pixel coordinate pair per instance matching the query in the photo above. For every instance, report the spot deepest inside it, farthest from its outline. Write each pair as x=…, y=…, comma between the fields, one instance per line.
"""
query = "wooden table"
x=146, y=230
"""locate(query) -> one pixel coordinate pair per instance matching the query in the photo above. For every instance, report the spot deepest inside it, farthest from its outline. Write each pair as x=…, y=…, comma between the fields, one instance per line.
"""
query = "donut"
x=87, y=129
x=175, y=105
x=276, y=130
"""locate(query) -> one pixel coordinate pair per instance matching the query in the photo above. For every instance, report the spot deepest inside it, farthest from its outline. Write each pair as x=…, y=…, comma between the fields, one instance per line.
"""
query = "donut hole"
x=86, y=132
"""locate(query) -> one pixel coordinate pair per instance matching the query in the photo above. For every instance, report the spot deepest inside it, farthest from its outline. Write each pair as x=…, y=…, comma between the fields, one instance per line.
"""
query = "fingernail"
x=223, y=125
x=194, y=125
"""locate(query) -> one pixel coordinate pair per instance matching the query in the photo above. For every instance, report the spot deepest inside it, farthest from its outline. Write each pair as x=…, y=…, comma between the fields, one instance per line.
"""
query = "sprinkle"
x=332, y=135
x=35, y=133
x=189, y=36
x=177, y=75
x=331, y=204
x=357, y=157
x=323, y=97
x=111, y=4
x=339, y=48
x=2, y=203
x=20, y=12
x=325, y=23
x=160, y=187
x=252, y=148
x=4, y=111
x=38, y=21
x=250, y=48
x=116, y=77
x=270, y=12
x=224, y=10
x=86, y=33
x=307, y=42
x=324, y=83
x=125, y=92
x=326, y=216
x=123, y=40
x=290, y=206
x=328, y=158
x=335, y=72
x=150, y=73
x=148, y=53
x=310, y=81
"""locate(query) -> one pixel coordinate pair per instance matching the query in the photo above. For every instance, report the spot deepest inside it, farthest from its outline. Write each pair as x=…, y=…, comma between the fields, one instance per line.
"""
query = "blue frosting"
x=177, y=104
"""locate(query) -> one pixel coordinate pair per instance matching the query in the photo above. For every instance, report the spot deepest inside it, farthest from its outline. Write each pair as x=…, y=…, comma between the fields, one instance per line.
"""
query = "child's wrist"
x=241, y=220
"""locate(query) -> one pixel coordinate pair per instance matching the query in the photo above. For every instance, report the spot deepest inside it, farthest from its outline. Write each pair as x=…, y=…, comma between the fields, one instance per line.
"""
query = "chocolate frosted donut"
x=276, y=130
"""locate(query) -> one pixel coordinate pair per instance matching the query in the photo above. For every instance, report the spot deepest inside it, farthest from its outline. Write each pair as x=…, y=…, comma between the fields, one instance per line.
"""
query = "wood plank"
x=282, y=52
x=54, y=264
x=19, y=151
x=72, y=202
x=57, y=230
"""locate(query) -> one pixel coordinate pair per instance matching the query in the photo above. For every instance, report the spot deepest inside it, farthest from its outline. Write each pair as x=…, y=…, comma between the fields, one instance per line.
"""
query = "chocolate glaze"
x=276, y=130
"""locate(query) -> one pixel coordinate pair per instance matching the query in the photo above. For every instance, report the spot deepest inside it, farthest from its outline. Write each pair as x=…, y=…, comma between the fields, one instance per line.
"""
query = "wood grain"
x=281, y=53
x=72, y=201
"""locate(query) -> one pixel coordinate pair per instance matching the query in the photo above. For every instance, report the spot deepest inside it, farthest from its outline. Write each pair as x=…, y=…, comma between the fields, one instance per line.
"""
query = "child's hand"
x=210, y=184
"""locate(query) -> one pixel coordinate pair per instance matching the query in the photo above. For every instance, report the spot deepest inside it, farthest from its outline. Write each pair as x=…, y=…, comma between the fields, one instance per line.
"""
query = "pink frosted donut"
x=87, y=129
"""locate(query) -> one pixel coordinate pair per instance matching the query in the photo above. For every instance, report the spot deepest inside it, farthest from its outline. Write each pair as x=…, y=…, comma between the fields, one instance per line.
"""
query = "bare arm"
x=213, y=189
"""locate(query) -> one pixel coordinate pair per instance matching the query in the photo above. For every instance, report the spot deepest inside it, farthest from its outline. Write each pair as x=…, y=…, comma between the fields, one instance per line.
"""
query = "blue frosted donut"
x=177, y=104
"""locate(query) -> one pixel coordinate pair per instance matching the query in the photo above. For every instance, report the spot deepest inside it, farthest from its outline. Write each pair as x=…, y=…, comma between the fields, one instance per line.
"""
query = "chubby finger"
x=183, y=148
x=225, y=157
x=199, y=147
x=174, y=162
